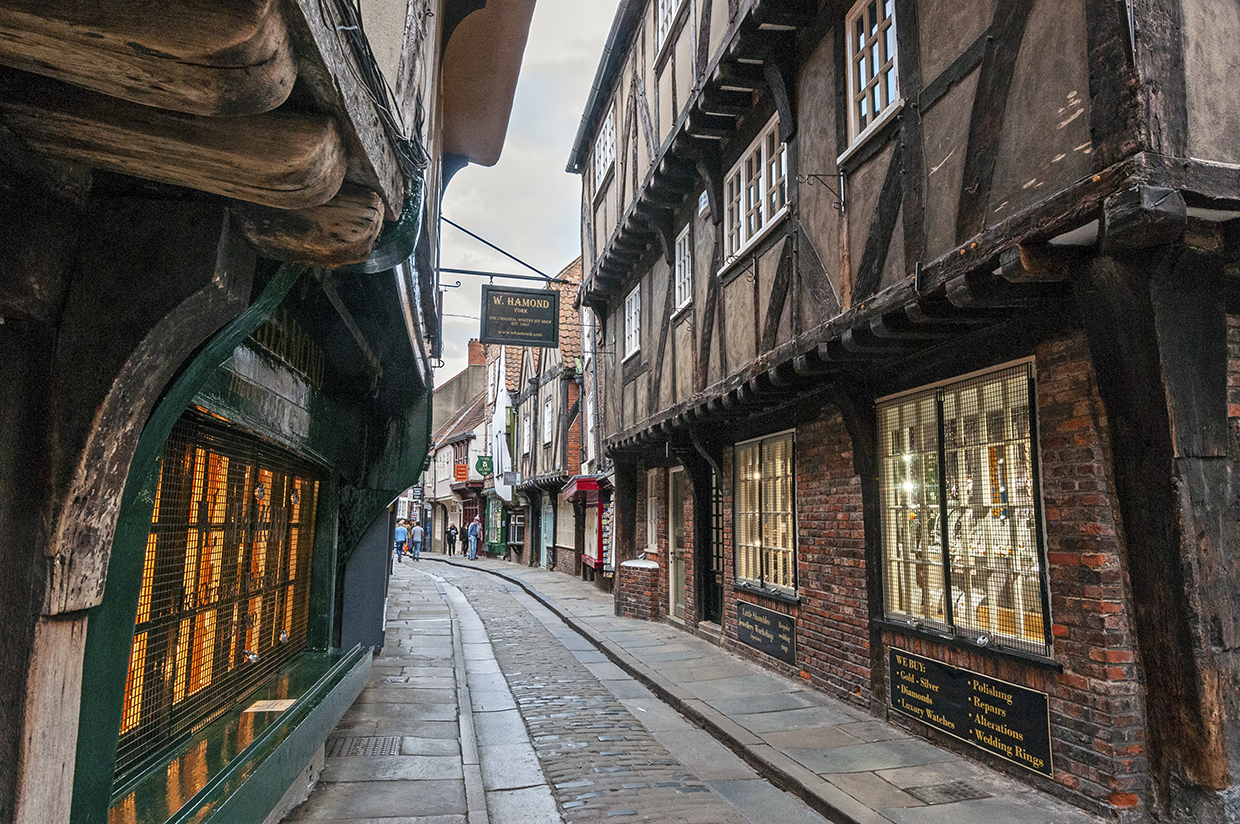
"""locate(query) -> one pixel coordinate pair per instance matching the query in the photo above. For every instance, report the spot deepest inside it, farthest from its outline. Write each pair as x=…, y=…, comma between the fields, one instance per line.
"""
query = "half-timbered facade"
x=547, y=442
x=916, y=327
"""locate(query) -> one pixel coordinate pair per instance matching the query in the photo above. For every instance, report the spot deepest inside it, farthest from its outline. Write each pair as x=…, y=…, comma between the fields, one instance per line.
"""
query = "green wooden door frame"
x=109, y=634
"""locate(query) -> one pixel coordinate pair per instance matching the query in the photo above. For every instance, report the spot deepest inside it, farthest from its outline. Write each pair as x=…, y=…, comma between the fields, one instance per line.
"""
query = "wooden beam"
x=1042, y=262
x=333, y=76
x=195, y=56
x=343, y=230
x=1141, y=217
x=287, y=160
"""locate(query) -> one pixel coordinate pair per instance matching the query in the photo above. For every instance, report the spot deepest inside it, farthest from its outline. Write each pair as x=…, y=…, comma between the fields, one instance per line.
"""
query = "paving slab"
x=359, y=800
x=392, y=768
x=880, y=755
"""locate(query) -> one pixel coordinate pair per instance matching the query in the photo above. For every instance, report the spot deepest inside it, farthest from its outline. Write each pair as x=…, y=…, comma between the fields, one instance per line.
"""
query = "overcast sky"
x=526, y=203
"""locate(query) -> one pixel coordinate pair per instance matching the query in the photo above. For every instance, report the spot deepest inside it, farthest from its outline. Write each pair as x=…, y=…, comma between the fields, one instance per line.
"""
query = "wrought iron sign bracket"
x=825, y=182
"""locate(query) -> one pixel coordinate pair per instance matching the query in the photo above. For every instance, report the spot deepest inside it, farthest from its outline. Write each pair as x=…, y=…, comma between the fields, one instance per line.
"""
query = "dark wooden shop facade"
x=919, y=330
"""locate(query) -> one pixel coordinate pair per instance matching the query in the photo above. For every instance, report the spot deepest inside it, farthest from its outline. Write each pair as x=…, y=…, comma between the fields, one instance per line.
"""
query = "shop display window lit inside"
x=959, y=484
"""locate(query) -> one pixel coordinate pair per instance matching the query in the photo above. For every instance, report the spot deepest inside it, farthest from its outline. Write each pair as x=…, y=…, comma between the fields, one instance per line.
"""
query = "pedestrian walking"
x=450, y=538
x=402, y=537
x=415, y=540
x=475, y=532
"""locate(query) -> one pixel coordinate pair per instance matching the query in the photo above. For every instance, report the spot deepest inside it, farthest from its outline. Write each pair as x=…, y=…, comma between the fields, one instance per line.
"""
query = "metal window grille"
x=765, y=514
x=959, y=474
x=225, y=588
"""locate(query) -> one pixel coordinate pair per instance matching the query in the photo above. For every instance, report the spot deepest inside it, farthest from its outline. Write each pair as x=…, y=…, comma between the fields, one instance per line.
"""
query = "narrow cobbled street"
x=484, y=706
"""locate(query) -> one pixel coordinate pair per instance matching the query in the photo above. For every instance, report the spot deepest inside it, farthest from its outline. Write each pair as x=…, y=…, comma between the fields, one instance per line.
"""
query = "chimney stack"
x=477, y=355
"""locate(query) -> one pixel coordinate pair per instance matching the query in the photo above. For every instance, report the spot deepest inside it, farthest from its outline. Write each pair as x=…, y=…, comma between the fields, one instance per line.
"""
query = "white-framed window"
x=684, y=270
x=526, y=434
x=633, y=322
x=547, y=422
x=652, y=510
x=664, y=14
x=766, y=513
x=605, y=148
x=974, y=440
x=873, y=74
x=589, y=425
x=756, y=189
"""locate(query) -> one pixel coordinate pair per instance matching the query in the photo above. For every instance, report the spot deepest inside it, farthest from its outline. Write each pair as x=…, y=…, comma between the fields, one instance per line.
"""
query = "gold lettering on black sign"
x=772, y=632
x=525, y=317
x=1005, y=719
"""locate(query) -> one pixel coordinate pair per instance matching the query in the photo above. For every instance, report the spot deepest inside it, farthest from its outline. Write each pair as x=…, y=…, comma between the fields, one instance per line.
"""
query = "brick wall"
x=639, y=591
x=832, y=618
x=834, y=643
x=1096, y=708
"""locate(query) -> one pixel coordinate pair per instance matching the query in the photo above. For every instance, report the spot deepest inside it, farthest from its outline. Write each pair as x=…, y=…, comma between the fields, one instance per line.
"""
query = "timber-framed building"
x=218, y=313
x=918, y=329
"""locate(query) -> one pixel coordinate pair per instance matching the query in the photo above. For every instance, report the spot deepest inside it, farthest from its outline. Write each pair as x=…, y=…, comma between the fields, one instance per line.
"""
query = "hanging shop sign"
x=521, y=317
x=485, y=465
x=461, y=471
x=512, y=478
x=772, y=632
x=1012, y=722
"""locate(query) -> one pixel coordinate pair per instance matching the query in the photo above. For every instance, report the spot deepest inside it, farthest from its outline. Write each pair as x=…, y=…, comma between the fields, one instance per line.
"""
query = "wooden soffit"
x=284, y=159
x=208, y=57
x=481, y=63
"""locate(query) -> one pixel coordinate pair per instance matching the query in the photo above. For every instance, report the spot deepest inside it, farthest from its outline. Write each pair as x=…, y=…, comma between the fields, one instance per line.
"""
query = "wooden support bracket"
x=287, y=160
x=196, y=56
x=1141, y=217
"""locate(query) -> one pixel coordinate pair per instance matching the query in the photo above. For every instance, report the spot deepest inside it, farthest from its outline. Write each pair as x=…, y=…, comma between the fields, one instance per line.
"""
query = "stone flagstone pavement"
x=845, y=763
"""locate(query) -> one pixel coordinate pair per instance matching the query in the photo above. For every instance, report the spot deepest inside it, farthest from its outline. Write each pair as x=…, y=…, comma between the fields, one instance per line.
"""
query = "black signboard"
x=772, y=632
x=520, y=317
x=1010, y=721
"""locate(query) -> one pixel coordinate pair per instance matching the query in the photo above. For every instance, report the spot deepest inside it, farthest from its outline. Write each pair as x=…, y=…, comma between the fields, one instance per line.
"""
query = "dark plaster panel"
x=816, y=204
x=893, y=269
x=949, y=26
x=864, y=186
x=1046, y=142
x=1212, y=64
x=946, y=129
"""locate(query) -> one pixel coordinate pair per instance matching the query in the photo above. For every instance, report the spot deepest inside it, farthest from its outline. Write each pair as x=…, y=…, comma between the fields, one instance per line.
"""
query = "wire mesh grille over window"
x=765, y=521
x=225, y=585
x=972, y=440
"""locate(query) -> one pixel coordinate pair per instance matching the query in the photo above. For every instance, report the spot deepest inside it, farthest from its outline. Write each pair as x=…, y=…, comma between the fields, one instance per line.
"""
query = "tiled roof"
x=466, y=419
x=570, y=318
x=512, y=367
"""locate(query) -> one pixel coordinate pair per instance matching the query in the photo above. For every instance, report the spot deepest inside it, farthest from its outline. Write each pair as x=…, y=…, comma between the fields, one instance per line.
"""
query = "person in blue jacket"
x=475, y=532
x=402, y=537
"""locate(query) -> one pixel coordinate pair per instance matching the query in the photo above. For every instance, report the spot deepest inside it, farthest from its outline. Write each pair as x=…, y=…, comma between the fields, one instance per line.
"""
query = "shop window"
x=565, y=524
x=962, y=547
x=224, y=599
x=873, y=77
x=548, y=420
x=765, y=514
x=516, y=527
x=756, y=190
